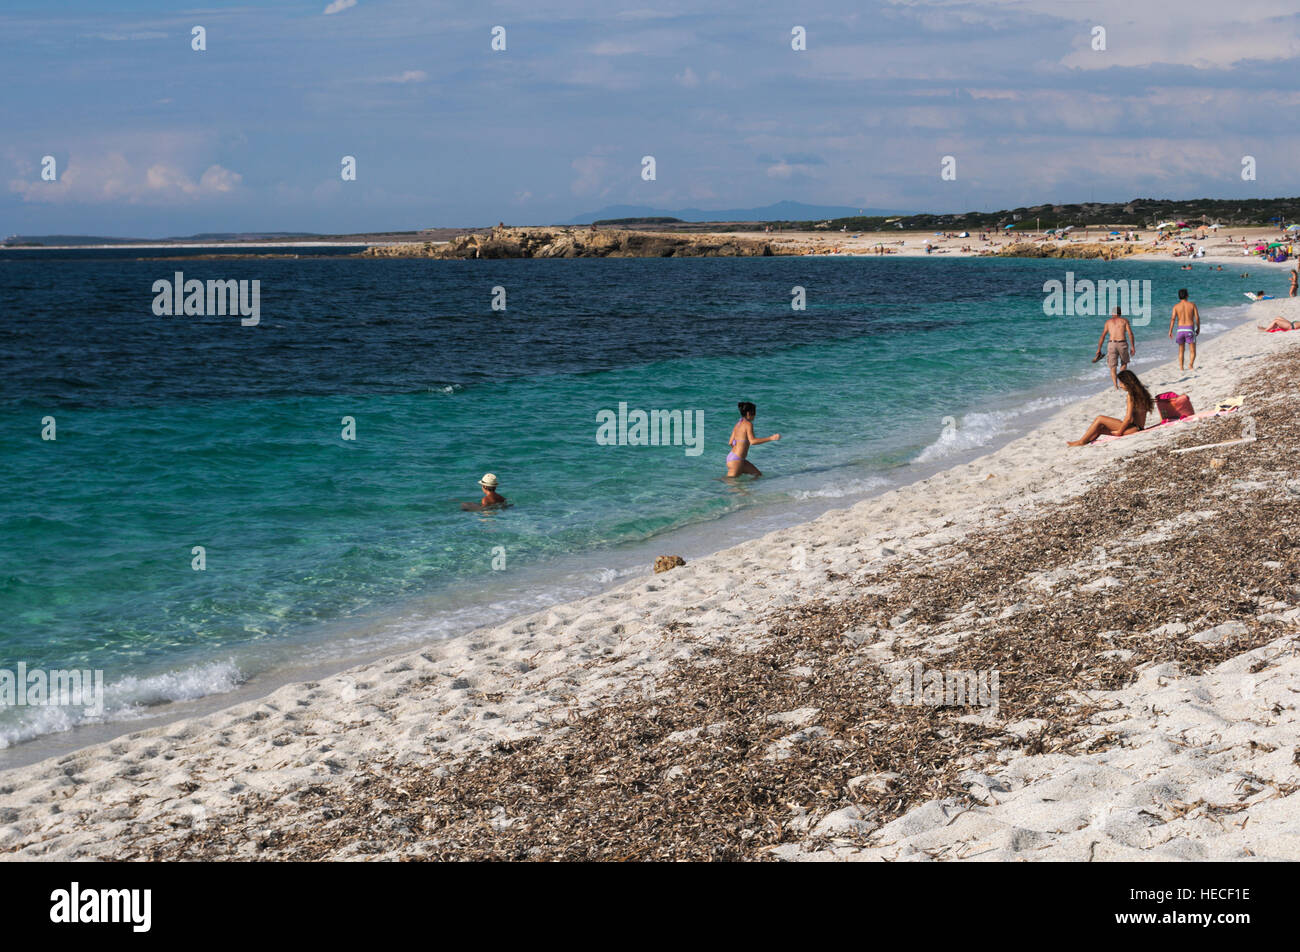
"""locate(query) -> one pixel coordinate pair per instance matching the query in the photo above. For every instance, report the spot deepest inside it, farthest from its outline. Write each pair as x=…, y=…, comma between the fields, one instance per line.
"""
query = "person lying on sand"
x=1282, y=324
x=491, y=498
x=1139, y=405
x=1121, y=340
x=742, y=438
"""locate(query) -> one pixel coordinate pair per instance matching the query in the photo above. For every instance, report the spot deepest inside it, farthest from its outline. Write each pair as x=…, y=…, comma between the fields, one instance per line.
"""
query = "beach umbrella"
x=1114, y=233
x=1165, y=224
x=1276, y=244
x=1008, y=226
x=1293, y=227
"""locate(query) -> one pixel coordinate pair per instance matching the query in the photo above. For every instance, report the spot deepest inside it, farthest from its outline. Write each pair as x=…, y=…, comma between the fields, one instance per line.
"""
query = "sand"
x=1183, y=744
x=1221, y=247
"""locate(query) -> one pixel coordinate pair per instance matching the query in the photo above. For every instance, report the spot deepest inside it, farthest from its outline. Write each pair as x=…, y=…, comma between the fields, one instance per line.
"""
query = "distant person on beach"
x=742, y=438
x=1122, y=344
x=491, y=498
x=1140, y=403
x=1295, y=282
x=1188, y=319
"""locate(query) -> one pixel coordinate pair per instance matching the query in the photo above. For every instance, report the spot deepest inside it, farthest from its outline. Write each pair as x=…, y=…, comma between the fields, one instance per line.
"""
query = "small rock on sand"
x=1229, y=629
x=667, y=562
x=849, y=820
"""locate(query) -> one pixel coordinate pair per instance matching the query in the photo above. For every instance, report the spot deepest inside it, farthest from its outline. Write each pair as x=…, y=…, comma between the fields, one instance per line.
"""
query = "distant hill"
x=779, y=211
x=668, y=220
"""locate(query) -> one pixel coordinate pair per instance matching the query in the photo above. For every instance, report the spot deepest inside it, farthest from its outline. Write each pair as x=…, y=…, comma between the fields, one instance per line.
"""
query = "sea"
x=200, y=509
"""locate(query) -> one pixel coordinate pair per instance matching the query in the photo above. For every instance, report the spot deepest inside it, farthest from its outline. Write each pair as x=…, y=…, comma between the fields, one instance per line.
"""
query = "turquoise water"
x=176, y=432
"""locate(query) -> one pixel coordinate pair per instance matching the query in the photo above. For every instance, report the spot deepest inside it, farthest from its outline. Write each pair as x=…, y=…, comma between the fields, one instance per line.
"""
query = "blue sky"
x=152, y=138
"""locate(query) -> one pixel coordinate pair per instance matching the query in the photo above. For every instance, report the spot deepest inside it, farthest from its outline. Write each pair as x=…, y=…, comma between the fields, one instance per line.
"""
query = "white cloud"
x=408, y=76
x=785, y=170
x=126, y=37
x=591, y=175
x=646, y=14
x=112, y=178
x=338, y=6
x=615, y=48
x=1205, y=34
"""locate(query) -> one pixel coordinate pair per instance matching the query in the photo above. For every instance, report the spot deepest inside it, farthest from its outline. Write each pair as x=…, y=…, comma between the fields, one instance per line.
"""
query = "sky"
x=152, y=138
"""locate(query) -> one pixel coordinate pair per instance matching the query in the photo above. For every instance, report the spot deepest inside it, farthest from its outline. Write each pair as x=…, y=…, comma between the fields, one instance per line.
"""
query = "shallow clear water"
x=176, y=432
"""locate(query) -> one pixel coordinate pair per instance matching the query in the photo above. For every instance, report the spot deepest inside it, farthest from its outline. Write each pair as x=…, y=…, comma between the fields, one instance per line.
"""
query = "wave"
x=849, y=487
x=980, y=428
x=129, y=698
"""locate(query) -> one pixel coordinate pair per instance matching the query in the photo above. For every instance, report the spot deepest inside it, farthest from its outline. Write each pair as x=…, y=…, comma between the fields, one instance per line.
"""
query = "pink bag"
x=1174, y=406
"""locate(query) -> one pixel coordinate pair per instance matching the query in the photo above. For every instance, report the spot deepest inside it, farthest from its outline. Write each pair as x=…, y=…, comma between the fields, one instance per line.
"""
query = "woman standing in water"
x=742, y=438
x=1139, y=405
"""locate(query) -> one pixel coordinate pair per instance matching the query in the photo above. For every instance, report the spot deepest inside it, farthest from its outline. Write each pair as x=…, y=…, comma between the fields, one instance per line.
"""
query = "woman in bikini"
x=1140, y=403
x=1281, y=324
x=742, y=438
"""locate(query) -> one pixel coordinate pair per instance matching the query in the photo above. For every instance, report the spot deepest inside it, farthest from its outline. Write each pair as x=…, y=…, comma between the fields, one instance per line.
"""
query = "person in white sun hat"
x=490, y=495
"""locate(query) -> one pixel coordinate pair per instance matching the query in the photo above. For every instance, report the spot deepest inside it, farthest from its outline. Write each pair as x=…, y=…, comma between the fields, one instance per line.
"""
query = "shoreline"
x=692, y=541
x=393, y=631
x=529, y=676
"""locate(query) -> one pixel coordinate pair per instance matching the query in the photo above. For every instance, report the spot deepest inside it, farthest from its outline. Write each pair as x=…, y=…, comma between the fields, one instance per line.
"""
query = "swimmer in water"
x=742, y=438
x=491, y=498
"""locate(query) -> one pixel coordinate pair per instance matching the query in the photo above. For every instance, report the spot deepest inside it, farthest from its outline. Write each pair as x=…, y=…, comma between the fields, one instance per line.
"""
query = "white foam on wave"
x=981, y=428
x=848, y=487
x=606, y=576
x=188, y=684
x=128, y=698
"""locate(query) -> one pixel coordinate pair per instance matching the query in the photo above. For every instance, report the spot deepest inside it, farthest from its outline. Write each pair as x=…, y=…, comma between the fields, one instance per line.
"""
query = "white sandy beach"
x=1187, y=741
x=1224, y=245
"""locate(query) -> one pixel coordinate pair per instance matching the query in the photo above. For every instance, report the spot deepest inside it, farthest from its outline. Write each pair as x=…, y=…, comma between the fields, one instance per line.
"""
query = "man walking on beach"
x=1122, y=345
x=1188, y=319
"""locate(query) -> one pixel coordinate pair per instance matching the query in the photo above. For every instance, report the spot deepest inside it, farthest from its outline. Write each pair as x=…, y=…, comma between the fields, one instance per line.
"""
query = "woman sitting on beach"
x=742, y=438
x=1140, y=403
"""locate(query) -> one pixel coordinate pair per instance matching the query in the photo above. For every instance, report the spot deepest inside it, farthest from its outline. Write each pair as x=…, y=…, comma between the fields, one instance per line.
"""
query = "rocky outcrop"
x=1052, y=249
x=502, y=242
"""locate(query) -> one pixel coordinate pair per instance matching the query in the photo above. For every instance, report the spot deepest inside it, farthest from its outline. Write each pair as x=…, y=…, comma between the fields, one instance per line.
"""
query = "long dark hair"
x=747, y=409
x=1142, y=399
